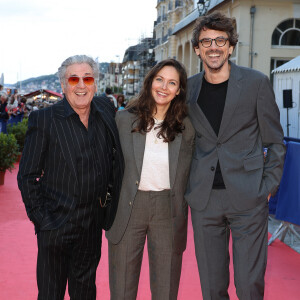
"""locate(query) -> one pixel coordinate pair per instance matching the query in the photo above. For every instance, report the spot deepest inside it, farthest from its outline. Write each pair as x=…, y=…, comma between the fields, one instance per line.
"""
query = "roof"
x=193, y=16
x=38, y=92
x=291, y=66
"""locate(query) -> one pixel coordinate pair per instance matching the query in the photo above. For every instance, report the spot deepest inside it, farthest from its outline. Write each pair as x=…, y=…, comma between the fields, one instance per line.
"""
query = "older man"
x=71, y=156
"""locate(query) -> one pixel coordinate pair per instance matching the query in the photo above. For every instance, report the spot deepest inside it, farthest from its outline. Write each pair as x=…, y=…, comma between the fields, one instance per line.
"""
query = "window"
x=287, y=33
x=275, y=63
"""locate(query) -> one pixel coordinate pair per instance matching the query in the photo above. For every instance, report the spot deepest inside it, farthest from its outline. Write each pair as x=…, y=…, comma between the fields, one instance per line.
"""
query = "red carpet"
x=18, y=259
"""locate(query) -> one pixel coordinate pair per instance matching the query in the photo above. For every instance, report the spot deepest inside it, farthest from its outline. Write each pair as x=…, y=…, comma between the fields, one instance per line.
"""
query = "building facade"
x=169, y=13
x=137, y=62
x=269, y=32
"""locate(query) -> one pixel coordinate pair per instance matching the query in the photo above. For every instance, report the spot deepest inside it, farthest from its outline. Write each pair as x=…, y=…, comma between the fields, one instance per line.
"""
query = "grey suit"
x=250, y=122
x=180, y=154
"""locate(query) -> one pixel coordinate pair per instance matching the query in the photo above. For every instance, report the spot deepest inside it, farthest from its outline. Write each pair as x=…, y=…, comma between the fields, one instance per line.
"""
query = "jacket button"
x=137, y=183
x=212, y=168
x=130, y=203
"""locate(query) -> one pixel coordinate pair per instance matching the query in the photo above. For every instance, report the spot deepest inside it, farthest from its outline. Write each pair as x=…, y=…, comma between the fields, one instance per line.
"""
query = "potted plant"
x=9, y=151
x=19, y=131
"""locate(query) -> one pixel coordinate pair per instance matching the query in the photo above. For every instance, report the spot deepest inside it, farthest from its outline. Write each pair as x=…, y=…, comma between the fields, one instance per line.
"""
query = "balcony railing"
x=165, y=38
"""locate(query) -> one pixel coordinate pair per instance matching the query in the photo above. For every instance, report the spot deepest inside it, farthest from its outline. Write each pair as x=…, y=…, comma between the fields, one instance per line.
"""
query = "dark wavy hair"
x=215, y=21
x=144, y=105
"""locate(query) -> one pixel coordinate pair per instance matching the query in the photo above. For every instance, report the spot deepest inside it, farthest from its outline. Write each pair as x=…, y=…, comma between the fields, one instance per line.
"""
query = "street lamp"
x=203, y=6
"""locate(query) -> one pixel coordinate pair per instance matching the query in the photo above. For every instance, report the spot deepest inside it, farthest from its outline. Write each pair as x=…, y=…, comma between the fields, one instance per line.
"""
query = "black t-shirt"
x=212, y=101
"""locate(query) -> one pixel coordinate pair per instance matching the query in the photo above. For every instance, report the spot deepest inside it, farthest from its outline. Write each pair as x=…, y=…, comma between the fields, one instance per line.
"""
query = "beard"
x=214, y=67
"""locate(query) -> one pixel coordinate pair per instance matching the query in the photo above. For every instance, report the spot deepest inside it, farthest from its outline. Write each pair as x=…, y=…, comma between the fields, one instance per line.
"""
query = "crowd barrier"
x=285, y=205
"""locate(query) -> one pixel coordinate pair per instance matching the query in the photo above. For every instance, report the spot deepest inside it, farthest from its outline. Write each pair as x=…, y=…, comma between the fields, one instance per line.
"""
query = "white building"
x=287, y=81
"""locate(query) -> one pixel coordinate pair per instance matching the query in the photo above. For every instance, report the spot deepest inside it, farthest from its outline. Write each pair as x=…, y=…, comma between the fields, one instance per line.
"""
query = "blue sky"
x=36, y=36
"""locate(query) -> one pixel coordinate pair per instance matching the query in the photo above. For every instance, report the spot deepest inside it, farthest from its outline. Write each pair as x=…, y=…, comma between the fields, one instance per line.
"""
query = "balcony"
x=178, y=3
x=165, y=38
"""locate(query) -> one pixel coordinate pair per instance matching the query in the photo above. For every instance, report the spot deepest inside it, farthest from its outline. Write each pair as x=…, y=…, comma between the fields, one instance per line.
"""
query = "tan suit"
x=180, y=154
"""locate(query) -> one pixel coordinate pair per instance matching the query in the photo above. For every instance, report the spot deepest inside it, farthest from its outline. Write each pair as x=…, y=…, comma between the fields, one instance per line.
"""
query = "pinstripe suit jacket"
x=180, y=155
x=47, y=175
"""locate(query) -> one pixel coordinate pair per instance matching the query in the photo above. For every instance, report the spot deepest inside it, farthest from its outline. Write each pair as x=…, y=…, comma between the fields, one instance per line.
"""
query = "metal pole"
x=252, y=12
x=287, y=121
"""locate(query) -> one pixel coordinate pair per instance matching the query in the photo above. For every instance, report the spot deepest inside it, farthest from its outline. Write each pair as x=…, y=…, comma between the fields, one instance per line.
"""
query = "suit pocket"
x=254, y=162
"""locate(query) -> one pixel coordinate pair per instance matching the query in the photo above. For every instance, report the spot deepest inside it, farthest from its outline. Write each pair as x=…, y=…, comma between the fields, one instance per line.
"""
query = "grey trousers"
x=249, y=229
x=151, y=218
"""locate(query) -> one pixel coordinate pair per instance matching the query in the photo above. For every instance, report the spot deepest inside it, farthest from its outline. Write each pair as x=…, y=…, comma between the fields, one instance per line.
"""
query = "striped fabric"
x=63, y=170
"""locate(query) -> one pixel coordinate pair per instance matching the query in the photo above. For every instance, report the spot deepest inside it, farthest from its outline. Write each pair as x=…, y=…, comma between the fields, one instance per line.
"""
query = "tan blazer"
x=180, y=155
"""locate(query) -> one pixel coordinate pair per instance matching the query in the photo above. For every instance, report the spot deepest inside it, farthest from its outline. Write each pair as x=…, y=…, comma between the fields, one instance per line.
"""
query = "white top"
x=155, y=171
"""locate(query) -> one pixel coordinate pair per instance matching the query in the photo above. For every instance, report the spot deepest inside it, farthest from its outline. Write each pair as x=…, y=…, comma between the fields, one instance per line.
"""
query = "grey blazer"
x=250, y=122
x=180, y=155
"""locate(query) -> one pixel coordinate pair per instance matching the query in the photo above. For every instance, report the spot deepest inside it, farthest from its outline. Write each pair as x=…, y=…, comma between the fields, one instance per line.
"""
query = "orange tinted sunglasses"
x=74, y=80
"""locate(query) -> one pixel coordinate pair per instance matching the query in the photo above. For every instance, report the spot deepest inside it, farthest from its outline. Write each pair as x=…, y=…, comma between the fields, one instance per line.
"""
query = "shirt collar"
x=69, y=111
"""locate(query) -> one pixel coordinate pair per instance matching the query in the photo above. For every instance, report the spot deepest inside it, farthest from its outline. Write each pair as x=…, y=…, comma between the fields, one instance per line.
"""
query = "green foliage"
x=117, y=90
x=8, y=151
x=19, y=131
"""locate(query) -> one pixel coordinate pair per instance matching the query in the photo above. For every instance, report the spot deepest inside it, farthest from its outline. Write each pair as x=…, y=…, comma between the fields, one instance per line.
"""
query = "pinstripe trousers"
x=150, y=217
x=70, y=253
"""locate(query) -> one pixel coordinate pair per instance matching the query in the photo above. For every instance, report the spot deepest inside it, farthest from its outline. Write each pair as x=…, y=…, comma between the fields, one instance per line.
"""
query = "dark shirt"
x=212, y=101
x=3, y=111
x=93, y=148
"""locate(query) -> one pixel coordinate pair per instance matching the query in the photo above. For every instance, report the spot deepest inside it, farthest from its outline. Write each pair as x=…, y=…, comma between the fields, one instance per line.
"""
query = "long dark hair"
x=145, y=105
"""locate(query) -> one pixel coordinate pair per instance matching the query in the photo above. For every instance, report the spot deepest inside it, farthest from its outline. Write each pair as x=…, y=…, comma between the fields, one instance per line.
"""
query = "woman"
x=157, y=142
x=121, y=102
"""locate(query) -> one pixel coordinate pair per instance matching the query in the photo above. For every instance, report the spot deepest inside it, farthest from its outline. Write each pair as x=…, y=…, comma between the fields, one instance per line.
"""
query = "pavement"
x=290, y=239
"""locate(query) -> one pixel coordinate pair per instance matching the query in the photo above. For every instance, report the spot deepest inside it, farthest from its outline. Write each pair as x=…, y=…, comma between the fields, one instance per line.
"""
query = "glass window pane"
x=297, y=23
x=291, y=38
x=275, y=37
x=286, y=25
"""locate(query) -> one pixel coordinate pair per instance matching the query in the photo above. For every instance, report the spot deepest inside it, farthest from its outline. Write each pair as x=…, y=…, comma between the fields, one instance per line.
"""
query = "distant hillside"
x=47, y=82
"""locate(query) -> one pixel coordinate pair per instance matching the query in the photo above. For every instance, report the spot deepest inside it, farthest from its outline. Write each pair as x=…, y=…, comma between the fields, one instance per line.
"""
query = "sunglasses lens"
x=73, y=80
x=88, y=80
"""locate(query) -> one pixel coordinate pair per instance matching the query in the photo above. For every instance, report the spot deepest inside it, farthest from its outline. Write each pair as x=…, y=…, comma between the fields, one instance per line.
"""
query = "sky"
x=37, y=36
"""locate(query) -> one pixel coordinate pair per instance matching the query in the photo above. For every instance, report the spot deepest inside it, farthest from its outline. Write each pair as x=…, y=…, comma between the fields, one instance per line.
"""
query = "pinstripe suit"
x=61, y=199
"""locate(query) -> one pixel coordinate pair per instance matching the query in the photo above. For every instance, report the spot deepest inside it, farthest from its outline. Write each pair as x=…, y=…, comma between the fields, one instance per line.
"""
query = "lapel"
x=63, y=134
x=139, y=141
x=194, y=110
x=232, y=97
x=108, y=120
x=174, y=148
